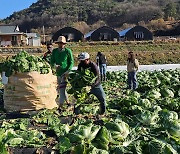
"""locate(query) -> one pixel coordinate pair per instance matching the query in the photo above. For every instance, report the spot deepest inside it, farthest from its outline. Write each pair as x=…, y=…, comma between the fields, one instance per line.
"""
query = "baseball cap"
x=83, y=56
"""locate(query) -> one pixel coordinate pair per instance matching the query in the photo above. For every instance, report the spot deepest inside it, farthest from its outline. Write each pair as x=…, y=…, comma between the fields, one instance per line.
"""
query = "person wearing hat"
x=96, y=88
x=62, y=59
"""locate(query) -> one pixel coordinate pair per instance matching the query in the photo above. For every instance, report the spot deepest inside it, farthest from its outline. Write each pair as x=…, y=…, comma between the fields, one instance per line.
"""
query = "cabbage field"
x=145, y=121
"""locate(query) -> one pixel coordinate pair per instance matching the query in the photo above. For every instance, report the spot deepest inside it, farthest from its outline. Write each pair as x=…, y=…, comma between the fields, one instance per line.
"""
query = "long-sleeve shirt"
x=64, y=58
x=101, y=59
x=94, y=68
x=47, y=56
x=132, y=66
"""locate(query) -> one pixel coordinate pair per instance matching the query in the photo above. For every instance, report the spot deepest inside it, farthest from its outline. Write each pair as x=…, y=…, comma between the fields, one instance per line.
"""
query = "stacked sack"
x=31, y=84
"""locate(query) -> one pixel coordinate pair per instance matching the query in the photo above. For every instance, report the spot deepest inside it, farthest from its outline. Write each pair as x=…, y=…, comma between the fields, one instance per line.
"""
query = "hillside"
x=88, y=14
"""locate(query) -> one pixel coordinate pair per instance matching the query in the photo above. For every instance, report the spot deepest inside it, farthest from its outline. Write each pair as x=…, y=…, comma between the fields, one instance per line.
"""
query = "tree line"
x=56, y=14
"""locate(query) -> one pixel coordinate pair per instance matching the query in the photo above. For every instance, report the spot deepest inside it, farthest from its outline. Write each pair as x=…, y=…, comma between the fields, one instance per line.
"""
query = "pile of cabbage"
x=24, y=62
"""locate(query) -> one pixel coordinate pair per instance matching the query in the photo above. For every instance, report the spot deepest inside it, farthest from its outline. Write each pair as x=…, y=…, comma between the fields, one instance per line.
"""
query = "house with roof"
x=103, y=33
x=33, y=39
x=11, y=36
x=137, y=33
x=71, y=34
x=171, y=33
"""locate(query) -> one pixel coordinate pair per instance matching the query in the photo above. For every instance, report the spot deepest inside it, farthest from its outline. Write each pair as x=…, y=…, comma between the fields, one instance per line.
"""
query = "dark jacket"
x=46, y=55
x=101, y=59
x=94, y=68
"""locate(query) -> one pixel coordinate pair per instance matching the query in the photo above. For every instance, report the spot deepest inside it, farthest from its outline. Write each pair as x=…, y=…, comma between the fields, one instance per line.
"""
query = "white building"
x=33, y=39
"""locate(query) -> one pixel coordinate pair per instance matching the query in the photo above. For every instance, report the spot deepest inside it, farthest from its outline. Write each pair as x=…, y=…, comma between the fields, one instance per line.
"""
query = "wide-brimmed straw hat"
x=61, y=39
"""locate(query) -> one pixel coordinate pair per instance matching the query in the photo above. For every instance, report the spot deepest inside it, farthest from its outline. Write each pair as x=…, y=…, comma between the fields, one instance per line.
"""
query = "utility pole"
x=43, y=34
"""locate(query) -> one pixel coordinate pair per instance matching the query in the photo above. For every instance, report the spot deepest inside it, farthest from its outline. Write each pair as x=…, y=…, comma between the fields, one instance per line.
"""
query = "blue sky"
x=7, y=7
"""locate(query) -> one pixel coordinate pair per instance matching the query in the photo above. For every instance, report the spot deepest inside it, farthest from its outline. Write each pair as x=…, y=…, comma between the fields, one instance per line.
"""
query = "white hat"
x=61, y=39
x=83, y=56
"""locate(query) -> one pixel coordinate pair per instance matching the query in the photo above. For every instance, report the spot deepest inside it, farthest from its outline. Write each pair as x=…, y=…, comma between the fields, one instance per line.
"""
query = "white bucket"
x=4, y=78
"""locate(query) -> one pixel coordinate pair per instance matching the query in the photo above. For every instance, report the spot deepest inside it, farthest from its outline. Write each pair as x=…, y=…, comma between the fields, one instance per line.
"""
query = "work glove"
x=66, y=74
x=57, y=66
x=88, y=89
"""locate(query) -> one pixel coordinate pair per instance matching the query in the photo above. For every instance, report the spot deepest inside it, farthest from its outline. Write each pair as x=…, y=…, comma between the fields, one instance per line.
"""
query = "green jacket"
x=63, y=58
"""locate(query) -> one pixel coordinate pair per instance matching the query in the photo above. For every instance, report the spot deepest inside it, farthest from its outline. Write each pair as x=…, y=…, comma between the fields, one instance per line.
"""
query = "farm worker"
x=132, y=68
x=62, y=59
x=96, y=88
x=102, y=63
x=47, y=55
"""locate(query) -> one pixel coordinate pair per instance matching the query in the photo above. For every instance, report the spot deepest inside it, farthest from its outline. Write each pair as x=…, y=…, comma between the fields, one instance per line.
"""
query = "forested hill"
x=55, y=14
